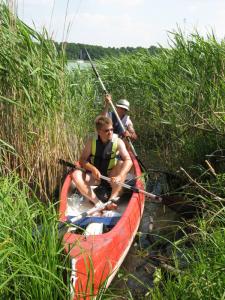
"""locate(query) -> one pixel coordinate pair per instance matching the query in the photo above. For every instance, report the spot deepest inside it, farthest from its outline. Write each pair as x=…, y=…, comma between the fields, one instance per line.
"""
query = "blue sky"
x=116, y=23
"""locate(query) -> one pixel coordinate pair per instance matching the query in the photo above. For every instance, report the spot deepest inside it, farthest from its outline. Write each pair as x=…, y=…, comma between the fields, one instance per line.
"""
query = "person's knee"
x=76, y=176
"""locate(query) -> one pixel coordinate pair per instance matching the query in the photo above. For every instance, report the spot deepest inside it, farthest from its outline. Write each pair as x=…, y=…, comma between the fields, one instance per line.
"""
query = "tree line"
x=75, y=51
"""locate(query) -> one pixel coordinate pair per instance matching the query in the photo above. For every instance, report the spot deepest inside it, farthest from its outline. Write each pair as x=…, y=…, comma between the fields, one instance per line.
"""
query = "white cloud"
x=102, y=29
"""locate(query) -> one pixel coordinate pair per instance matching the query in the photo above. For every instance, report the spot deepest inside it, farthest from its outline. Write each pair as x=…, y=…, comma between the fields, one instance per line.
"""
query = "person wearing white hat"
x=122, y=107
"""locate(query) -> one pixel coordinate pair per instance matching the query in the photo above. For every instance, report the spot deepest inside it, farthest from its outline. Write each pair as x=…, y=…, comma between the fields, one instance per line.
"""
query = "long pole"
x=114, y=110
x=127, y=186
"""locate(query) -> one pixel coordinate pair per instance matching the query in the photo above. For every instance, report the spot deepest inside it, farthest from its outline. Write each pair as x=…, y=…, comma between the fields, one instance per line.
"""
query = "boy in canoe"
x=122, y=108
x=100, y=157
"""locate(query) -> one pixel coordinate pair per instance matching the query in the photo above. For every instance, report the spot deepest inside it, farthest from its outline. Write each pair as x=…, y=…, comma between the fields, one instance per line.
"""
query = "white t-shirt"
x=126, y=121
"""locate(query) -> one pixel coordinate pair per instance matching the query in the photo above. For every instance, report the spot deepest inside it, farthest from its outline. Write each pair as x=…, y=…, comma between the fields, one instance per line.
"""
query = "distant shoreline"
x=76, y=51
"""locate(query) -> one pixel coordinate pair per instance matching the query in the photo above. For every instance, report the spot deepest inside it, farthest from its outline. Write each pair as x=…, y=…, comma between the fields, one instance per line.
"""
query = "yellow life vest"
x=104, y=156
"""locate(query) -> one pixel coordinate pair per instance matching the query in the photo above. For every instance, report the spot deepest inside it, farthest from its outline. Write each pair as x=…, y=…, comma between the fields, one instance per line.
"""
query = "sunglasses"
x=108, y=130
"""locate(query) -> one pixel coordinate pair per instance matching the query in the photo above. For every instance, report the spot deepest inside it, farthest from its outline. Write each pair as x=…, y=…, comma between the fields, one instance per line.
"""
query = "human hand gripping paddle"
x=115, y=111
x=127, y=186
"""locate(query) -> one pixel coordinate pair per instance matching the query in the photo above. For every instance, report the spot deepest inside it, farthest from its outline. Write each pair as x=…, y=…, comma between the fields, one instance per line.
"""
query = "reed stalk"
x=44, y=108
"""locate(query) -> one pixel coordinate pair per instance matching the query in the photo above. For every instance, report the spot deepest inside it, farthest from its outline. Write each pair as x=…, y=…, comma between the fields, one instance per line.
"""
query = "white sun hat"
x=124, y=104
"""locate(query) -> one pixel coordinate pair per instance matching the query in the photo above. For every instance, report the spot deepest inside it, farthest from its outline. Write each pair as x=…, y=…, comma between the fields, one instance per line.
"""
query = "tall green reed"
x=44, y=108
x=176, y=97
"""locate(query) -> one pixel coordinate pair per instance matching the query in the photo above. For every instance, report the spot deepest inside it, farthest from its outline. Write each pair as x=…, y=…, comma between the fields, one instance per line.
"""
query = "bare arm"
x=132, y=133
x=85, y=163
x=108, y=99
x=127, y=162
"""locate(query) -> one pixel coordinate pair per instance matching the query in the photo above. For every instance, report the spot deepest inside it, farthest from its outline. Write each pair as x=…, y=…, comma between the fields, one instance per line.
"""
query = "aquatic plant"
x=44, y=107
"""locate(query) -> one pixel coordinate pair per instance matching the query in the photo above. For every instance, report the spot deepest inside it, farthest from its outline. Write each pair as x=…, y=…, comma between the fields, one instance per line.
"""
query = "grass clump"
x=204, y=278
x=202, y=244
x=32, y=261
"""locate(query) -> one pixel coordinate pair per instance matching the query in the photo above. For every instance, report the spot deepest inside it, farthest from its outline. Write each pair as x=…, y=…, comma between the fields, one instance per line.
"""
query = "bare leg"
x=116, y=189
x=83, y=182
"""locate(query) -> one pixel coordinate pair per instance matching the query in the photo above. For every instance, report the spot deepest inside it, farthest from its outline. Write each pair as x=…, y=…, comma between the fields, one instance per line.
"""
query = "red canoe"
x=97, y=256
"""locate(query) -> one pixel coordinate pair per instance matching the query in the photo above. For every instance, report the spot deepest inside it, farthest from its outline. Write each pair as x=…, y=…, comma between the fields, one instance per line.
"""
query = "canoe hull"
x=96, y=258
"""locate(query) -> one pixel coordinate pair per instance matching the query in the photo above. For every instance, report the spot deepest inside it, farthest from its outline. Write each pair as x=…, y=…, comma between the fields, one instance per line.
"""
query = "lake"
x=74, y=64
